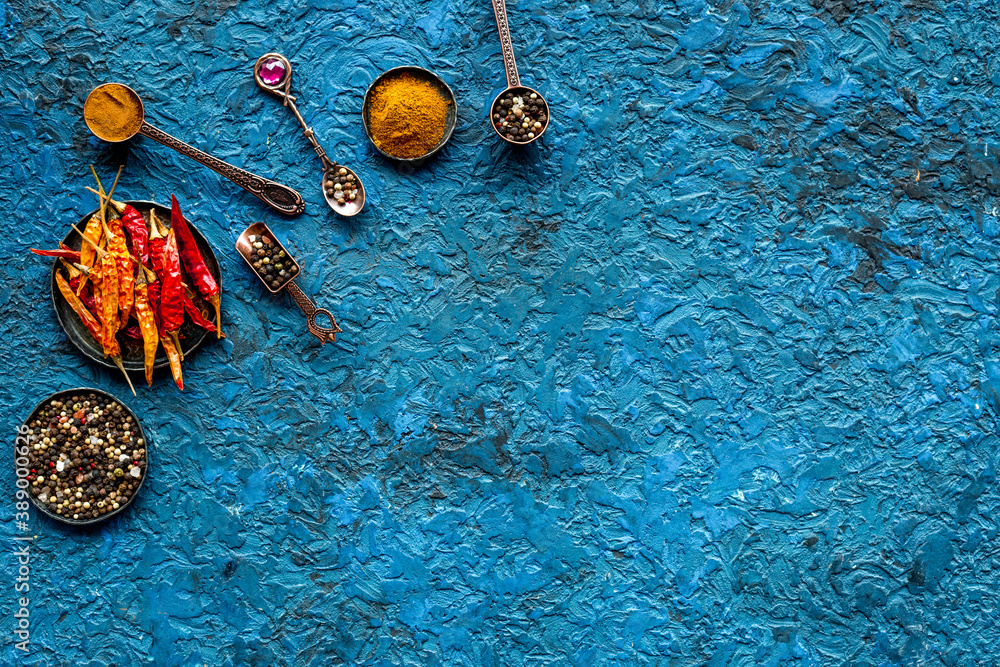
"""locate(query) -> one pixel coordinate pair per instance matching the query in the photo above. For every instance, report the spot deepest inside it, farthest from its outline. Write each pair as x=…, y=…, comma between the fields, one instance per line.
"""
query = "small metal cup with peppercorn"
x=520, y=115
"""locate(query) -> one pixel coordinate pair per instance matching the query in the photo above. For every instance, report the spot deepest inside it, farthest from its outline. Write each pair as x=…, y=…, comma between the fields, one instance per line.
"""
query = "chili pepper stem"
x=100, y=251
x=101, y=194
x=177, y=343
x=216, y=303
x=156, y=230
x=118, y=362
x=117, y=205
x=70, y=268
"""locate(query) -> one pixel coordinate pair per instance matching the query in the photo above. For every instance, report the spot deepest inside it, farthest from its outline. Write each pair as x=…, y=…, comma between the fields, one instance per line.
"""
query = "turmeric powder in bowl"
x=113, y=112
x=409, y=113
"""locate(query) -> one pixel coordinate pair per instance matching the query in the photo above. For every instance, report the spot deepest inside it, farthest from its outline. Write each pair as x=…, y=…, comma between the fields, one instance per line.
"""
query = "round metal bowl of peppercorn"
x=409, y=113
x=200, y=319
x=87, y=456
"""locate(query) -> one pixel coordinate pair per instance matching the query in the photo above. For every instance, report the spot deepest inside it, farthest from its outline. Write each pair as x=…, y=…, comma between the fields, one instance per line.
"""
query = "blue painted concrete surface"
x=710, y=376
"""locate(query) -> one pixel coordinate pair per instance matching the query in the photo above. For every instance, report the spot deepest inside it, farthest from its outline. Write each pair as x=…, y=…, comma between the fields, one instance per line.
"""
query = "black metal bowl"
x=59, y=395
x=451, y=115
x=133, y=358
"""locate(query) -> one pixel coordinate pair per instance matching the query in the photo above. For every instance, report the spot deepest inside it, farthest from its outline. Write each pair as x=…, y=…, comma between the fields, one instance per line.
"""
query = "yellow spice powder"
x=113, y=112
x=407, y=116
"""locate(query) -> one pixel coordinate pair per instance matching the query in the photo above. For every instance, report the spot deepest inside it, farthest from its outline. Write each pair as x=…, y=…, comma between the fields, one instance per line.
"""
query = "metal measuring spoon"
x=247, y=246
x=273, y=73
x=124, y=126
x=523, y=97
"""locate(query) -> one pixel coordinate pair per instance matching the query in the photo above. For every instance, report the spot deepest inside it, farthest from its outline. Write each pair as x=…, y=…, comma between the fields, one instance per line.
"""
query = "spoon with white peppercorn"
x=518, y=114
x=342, y=188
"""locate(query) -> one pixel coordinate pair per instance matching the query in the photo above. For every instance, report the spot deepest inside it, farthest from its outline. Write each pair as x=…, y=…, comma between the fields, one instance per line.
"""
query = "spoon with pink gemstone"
x=342, y=188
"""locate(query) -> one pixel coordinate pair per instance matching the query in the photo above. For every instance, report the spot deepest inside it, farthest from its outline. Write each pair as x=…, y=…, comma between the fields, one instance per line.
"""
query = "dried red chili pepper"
x=194, y=263
x=87, y=296
x=157, y=239
x=78, y=273
x=153, y=292
x=62, y=252
x=156, y=242
x=92, y=287
x=196, y=315
x=172, y=291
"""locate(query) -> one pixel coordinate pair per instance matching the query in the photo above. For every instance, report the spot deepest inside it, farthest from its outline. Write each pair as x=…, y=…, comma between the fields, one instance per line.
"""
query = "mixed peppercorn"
x=341, y=185
x=520, y=115
x=87, y=456
x=271, y=262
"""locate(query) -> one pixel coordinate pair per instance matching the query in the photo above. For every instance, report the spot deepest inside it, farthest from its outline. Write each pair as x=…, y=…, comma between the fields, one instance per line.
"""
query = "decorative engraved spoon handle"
x=310, y=310
x=500, y=12
x=277, y=196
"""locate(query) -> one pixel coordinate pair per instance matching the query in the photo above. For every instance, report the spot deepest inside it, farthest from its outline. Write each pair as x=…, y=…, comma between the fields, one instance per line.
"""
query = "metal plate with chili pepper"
x=94, y=427
x=191, y=335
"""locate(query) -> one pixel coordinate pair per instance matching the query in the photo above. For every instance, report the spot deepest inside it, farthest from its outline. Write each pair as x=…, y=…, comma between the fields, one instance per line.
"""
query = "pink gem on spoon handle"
x=272, y=72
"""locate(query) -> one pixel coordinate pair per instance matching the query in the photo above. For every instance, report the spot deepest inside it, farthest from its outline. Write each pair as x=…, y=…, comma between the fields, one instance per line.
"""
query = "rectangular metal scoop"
x=259, y=233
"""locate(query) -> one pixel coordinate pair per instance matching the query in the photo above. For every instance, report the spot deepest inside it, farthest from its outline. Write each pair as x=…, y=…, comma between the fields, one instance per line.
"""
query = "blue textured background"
x=708, y=377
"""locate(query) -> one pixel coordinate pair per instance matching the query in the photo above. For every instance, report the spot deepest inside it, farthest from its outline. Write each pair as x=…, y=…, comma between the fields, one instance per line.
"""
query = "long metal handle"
x=310, y=310
x=277, y=196
x=500, y=12
x=306, y=130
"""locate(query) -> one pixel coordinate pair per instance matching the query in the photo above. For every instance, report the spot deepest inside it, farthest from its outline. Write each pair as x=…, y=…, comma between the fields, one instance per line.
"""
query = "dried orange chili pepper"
x=88, y=255
x=118, y=249
x=108, y=300
x=147, y=323
x=88, y=319
x=124, y=268
x=109, y=303
x=175, y=361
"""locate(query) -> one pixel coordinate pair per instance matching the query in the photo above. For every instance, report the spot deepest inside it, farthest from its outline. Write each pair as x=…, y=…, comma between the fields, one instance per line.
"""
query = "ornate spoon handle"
x=328, y=164
x=500, y=12
x=310, y=310
x=278, y=196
